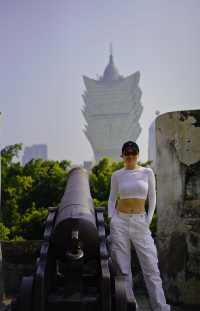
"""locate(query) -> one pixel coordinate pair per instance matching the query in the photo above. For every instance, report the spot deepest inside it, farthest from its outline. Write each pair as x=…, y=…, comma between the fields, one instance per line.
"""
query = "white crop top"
x=133, y=183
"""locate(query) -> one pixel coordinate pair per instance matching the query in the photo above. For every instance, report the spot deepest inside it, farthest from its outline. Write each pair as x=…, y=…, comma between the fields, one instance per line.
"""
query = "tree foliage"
x=26, y=193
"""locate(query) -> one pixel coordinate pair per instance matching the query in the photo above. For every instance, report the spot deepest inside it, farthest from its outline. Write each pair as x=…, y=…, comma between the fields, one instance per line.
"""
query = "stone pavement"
x=144, y=305
x=143, y=302
x=141, y=297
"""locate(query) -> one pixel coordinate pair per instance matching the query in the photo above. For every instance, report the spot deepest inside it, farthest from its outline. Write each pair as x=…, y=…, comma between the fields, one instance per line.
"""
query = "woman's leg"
x=145, y=247
x=120, y=248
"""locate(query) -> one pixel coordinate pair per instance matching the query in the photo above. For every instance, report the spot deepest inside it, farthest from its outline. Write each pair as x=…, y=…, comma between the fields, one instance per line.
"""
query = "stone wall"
x=19, y=259
x=178, y=204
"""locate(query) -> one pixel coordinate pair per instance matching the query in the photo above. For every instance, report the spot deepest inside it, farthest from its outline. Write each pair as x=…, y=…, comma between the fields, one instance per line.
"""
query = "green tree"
x=27, y=191
x=31, y=224
x=4, y=232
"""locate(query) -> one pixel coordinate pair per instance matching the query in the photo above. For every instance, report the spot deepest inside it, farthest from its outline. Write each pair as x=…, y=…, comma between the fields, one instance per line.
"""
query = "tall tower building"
x=112, y=109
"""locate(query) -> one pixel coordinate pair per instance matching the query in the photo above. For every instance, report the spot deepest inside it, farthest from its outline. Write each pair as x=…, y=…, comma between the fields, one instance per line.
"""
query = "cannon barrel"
x=76, y=216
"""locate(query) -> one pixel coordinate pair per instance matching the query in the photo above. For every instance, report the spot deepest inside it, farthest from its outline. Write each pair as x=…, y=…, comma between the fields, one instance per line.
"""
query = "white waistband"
x=131, y=214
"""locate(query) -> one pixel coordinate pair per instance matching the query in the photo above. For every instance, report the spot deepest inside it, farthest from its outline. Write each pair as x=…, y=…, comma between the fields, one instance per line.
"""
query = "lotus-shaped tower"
x=112, y=109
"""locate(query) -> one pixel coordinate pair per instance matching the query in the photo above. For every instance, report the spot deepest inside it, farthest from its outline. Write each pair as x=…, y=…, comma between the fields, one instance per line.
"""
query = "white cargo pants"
x=133, y=228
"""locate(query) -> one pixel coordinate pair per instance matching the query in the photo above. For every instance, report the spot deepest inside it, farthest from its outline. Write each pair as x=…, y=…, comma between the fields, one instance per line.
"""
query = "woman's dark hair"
x=130, y=145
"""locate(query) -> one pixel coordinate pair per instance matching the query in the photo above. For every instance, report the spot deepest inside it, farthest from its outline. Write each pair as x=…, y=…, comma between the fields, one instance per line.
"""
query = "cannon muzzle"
x=76, y=214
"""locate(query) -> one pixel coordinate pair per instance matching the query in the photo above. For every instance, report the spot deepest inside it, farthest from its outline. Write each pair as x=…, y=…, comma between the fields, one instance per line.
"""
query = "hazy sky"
x=47, y=46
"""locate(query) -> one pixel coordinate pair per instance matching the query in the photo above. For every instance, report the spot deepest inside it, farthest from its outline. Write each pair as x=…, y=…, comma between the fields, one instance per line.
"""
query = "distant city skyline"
x=47, y=47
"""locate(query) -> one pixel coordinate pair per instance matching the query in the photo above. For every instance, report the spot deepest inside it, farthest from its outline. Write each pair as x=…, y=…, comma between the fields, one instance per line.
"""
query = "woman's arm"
x=151, y=195
x=112, y=196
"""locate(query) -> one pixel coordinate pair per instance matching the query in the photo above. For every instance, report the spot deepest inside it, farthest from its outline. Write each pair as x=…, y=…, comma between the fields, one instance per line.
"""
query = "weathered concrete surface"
x=178, y=204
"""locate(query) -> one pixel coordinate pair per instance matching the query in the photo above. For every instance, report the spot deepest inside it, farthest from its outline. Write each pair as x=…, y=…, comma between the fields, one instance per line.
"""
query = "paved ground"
x=144, y=305
x=142, y=300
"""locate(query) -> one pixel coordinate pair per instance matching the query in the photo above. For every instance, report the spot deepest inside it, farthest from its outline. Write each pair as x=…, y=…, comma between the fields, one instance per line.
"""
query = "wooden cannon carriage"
x=74, y=270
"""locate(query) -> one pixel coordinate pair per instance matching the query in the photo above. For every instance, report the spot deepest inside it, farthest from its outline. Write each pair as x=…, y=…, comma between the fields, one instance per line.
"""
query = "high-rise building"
x=38, y=151
x=112, y=109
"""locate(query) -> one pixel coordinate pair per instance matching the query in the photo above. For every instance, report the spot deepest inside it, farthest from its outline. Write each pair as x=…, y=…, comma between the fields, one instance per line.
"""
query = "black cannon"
x=74, y=270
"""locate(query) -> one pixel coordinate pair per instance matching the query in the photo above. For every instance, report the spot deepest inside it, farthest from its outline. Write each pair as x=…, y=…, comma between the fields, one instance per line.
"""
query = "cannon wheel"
x=26, y=294
x=104, y=261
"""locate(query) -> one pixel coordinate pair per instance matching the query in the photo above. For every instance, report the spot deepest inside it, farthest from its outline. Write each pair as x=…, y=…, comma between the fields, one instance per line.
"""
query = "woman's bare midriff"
x=131, y=205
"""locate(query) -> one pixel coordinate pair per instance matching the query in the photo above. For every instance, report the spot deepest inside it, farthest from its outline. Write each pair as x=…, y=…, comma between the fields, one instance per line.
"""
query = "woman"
x=130, y=223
